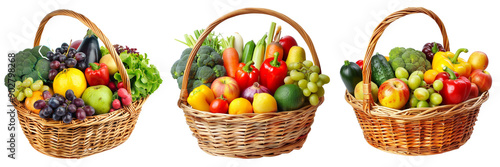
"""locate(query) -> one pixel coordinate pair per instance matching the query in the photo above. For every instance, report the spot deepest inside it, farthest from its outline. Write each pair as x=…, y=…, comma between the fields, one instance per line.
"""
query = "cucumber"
x=381, y=70
x=248, y=52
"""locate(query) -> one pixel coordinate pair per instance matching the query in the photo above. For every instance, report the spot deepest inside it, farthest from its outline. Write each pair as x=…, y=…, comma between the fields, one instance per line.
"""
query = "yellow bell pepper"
x=201, y=97
x=452, y=61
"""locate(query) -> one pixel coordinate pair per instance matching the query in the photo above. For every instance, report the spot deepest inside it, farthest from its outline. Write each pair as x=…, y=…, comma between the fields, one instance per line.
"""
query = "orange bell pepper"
x=452, y=61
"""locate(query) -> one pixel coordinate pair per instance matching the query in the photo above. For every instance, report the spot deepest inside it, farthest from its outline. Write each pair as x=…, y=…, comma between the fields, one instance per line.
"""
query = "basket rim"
x=420, y=113
x=125, y=112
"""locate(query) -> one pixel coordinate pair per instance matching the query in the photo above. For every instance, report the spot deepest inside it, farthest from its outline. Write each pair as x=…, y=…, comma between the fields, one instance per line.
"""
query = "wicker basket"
x=414, y=131
x=79, y=138
x=249, y=135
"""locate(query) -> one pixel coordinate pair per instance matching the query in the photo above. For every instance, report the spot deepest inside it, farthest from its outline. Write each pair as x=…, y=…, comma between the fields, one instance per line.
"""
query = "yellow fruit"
x=108, y=60
x=296, y=55
x=240, y=106
x=264, y=103
x=70, y=78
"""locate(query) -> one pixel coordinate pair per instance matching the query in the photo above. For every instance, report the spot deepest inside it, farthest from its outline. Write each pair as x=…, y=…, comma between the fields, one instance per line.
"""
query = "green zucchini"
x=381, y=70
x=248, y=52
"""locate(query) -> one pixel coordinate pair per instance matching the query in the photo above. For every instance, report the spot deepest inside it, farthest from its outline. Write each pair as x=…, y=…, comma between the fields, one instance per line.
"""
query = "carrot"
x=231, y=61
x=230, y=56
x=272, y=48
x=275, y=46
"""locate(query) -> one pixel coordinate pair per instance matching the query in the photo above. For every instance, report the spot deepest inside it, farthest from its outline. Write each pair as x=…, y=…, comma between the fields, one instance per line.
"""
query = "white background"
x=339, y=29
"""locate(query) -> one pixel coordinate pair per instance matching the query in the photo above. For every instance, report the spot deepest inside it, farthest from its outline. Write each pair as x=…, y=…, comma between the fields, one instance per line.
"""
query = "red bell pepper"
x=360, y=64
x=97, y=74
x=273, y=72
x=246, y=75
x=456, y=89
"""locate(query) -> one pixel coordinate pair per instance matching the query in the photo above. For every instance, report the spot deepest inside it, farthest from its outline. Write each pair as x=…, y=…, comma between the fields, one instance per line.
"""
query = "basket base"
x=413, y=138
x=258, y=153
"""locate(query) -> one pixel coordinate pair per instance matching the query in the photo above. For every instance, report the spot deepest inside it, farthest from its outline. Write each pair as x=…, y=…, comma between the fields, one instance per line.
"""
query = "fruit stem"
x=275, y=62
x=247, y=67
x=434, y=48
x=346, y=62
x=94, y=66
x=449, y=71
x=454, y=60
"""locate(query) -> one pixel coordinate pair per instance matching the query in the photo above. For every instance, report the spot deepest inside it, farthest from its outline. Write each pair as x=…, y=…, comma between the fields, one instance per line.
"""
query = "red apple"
x=227, y=87
x=482, y=79
x=76, y=44
x=393, y=93
x=474, y=91
x=287, y=42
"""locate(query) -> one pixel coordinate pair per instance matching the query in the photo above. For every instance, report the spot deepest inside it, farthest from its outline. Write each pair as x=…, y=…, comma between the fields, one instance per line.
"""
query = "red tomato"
x=219, y=106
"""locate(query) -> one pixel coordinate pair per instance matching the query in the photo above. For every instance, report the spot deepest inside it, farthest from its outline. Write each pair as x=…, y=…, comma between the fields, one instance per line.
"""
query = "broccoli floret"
x=410, y=59
x=173, y=70
x=208, y=57
x=40, y=51
x=42, y=67
x=205, y=74
x=179, y=69
x=186, y=52
x=219, y=71
x=179, y=82
x=24, y=62
x=205, y=60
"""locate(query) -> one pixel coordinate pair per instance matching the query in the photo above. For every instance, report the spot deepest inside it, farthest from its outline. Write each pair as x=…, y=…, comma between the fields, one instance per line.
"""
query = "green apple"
x=358, y=91
x=99, y=97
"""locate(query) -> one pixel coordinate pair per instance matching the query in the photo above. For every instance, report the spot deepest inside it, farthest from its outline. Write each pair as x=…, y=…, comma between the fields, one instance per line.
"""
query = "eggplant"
x=90, y=46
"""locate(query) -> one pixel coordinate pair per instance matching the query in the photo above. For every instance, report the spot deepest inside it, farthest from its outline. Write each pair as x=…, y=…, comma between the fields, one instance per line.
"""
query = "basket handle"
x=98, y=33
x=368, y=101
x=302, y=32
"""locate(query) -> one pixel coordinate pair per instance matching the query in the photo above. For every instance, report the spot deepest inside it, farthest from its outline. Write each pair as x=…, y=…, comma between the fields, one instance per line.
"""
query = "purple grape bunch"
x=59, y=108
x=65, y=57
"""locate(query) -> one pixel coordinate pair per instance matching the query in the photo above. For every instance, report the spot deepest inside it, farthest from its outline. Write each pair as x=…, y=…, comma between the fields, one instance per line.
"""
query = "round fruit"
x=437, y=85
x=290, y=97
x=108, y=60
x=413, y=101
x=414, y=82
x=264, y=103
x=478, y=60
x=240, y=106
x=70, y=78
x=358, y=91
x=401, y=73
x=436, y=98
x=430, y=76
x=422, y=104
x=100, y=97
x=324, y=78
x=314, y=99
x=31, y=101
x=421, y=94
x=312, y=87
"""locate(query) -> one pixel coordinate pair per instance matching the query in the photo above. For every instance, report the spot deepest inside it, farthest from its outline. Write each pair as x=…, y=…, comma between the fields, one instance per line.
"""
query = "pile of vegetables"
x=79, y=79
x=410, y=78
x=233, y=77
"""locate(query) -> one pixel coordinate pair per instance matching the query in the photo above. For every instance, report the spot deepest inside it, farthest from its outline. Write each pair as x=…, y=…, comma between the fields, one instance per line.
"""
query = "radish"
x=116, y=104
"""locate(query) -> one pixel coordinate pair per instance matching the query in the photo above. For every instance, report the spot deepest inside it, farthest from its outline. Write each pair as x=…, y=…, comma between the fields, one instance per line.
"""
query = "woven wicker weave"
x=249, y=135
x=79, y=138
x=414, y=131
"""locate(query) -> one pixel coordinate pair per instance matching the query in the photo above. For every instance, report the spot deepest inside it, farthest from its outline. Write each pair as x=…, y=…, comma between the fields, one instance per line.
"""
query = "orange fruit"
x=28, y=102
x=430, y=76
x=240, y=106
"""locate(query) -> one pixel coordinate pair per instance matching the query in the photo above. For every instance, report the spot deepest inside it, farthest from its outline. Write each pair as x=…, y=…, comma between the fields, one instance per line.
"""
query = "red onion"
x=252, y=90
